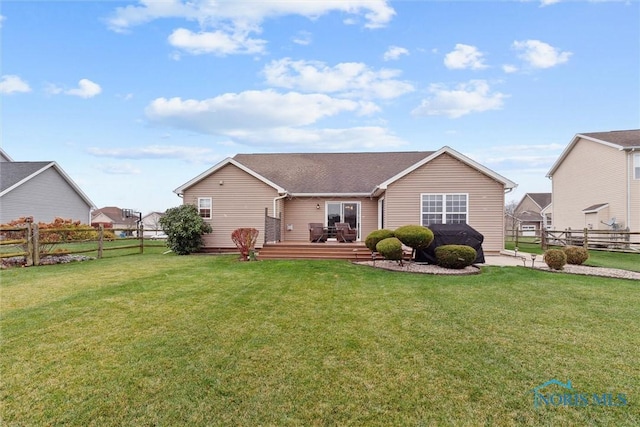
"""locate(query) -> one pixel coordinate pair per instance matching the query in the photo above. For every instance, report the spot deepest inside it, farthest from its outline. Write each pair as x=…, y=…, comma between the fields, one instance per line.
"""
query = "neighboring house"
x=596, y=182
x=367, y=190
x=151, y=224
x=114, y=217
x=41, y=190
x=533, y=213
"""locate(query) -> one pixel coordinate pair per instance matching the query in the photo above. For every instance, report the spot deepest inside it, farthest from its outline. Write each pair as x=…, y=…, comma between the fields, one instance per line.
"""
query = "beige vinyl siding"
x=239, y=202
x=590, y=174
x=446, y=175
x=300, y=211
x=527, y=205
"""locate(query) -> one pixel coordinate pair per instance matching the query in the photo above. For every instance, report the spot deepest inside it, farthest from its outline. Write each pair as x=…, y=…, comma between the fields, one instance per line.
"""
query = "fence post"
x=36, y=244
x=141, y=236
x=543, y=240
x=100, y=240
x=585, y=242
x=29, y=238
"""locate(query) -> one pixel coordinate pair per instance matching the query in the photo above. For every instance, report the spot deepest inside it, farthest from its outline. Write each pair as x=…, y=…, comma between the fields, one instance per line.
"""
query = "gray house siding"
x=44, y=197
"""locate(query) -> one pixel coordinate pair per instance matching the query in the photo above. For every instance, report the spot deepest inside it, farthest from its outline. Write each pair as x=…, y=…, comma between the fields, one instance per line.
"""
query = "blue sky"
x=135, y=98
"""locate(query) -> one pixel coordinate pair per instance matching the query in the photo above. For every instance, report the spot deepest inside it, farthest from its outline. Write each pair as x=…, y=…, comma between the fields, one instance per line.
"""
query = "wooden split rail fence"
x=609, y=240
x=35, y=243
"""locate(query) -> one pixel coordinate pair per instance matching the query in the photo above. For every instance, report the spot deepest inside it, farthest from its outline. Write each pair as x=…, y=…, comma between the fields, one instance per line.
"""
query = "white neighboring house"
x=41, y=190
x=151, y=224
x=596, y=182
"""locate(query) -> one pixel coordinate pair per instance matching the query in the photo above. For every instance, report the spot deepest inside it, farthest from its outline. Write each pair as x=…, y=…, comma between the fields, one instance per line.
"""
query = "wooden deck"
x=306, y=250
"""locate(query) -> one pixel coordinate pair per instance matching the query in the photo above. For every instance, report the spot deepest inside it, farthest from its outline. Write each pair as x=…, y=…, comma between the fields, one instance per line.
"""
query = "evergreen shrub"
x=555, y=258
x=576, y=255
x=376, y=236
x=455, y=256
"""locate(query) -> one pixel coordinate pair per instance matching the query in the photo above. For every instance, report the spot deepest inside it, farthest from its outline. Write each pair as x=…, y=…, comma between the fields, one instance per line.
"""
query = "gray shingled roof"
x=13, y=172
x=324, y=173
x=623, y=138
x=542, y=199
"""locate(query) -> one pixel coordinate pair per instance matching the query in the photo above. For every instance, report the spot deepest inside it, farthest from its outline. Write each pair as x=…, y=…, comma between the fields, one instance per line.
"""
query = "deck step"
x=351, y=252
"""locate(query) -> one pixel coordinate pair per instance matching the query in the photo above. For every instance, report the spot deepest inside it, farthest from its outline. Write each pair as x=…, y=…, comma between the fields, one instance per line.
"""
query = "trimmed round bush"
x=555, y=258
x=455, y=256
x=414, y=236
x=576, y=255
x=376, y=236
x=390, y=248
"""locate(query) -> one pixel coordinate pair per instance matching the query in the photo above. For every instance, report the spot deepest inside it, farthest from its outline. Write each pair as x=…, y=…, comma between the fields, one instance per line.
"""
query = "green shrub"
x=390, y=248
x=576, y=255
x=555, y=258
x=414, y=236
x=184, y=228
x=455, y=256
x=375, y=236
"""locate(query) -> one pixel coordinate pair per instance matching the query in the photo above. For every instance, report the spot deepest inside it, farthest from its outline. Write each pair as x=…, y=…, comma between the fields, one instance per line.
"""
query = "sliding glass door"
x=348, y=212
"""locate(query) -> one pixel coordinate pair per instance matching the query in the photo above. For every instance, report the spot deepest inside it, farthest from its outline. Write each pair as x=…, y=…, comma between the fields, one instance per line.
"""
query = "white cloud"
x=326, y=139
x=394, y=53
x=508, y=68
x=303, y=38
x=464, y=56
x=215, y=42
x=2, y=19
x=226, y=26
x=173, y=152
x=548, y=2
x=347, y=79
x=232, y=112
x=471, y=97
x=86, y=89
x=119, y=169
x=538, y=54
x=13, y=84
x=267, y=117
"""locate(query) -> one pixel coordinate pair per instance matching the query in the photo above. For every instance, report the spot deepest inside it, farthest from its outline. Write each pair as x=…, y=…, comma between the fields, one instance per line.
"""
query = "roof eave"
x=575, y=140
x=180, y=190
x=62, y=173
x=508, y=184
x=342, y=195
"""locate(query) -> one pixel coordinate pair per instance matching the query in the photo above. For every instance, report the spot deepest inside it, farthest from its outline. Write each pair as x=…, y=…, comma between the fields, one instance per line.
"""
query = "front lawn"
x=205, y=340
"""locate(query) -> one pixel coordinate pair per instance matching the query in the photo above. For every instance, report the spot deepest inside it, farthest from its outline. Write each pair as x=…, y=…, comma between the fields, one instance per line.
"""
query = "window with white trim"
x=204, y=207
x=636, y=166
x=444, y=209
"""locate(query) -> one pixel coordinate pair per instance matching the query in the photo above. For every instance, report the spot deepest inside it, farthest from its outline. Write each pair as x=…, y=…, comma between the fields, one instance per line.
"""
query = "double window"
x=444, y=209
x=636, y=166
x=204, y=207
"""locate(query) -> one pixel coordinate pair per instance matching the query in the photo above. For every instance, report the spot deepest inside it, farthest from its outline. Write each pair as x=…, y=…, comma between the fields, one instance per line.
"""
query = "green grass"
x=165, y=340
x=597, y=258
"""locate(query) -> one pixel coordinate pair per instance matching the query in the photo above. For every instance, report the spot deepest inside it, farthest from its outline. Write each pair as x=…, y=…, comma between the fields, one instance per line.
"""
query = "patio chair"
x=345, y=233
x=317, y=232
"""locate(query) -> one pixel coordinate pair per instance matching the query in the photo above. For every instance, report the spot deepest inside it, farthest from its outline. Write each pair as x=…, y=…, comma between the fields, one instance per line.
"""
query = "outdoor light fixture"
x=533, y=259
x=318, y=206
x=515, y=250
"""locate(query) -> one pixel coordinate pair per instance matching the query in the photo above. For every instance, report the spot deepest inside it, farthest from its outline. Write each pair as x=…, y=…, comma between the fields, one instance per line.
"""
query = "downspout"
x=629, y=176
x=275, y=200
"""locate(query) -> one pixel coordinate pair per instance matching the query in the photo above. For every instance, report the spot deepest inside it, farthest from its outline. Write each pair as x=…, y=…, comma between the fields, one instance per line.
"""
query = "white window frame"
x=201, y=208
x=444, y=212
x=636, y=166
